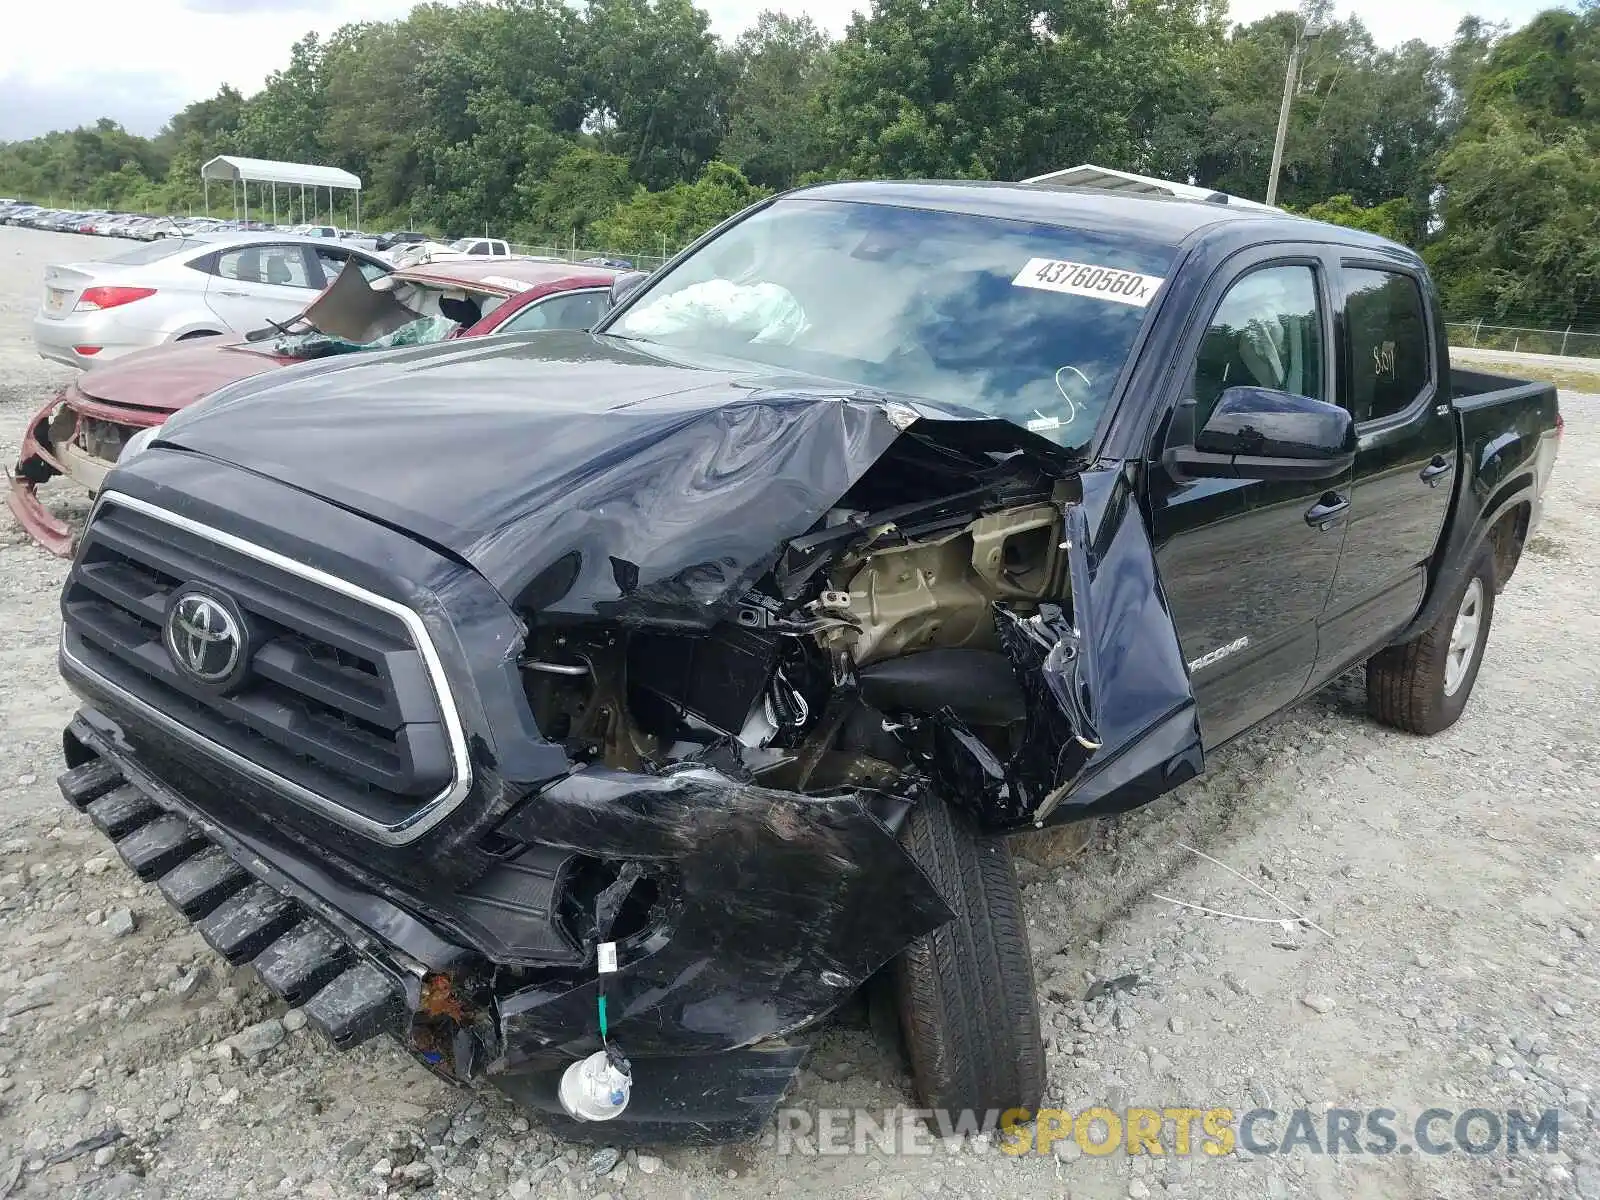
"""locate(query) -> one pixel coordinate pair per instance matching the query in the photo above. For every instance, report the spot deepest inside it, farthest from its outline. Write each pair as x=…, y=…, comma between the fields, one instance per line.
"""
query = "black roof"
x=1163, y=220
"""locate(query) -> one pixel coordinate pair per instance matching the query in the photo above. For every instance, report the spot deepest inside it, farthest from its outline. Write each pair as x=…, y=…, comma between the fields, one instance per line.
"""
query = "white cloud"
x=138, y=63
x=142, y=101
x=59, y=66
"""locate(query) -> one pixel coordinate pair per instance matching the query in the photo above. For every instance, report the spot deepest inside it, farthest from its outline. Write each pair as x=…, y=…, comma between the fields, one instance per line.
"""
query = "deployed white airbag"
x=764, y=312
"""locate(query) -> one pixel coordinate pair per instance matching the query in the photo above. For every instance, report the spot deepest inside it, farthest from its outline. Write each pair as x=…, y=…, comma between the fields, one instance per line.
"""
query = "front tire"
x=965, y=991
x=1423, y=685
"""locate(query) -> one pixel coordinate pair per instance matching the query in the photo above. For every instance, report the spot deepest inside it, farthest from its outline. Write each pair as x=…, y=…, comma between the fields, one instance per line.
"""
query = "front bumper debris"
x=247, y=911
x=22, y=498
x=37, y=463
x=778, y=914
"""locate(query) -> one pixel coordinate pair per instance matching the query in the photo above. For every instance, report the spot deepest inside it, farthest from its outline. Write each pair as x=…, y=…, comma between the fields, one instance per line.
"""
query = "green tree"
x=681, y=213
x=627, y=122
x=286, y=119
x=1519, y=241
x=214, y=120
x=658, y=86
x=1394, y=219
x=1005, y=90
x=780, y=65
x=1365, y=122
x=581, y=187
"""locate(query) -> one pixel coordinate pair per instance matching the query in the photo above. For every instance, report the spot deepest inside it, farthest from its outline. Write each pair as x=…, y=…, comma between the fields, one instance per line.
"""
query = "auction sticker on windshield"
x=1087, y=279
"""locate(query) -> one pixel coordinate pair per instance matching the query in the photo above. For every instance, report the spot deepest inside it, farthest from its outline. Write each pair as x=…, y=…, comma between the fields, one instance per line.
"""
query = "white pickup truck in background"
x=468, y=247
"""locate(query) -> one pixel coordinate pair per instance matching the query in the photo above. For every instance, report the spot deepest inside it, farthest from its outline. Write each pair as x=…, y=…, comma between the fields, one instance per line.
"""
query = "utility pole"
x=1289, y=77
x=1291, y=80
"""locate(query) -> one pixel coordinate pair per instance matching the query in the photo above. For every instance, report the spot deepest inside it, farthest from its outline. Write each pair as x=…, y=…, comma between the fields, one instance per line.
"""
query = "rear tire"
x=965, y=991
x=1423, y=685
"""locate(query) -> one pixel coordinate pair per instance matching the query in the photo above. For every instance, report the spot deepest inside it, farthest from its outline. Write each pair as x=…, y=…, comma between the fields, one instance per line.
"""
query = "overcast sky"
x=67, y=64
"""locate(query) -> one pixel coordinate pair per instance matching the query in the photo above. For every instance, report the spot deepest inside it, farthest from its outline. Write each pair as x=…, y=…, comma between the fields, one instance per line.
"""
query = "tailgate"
x=62, y=287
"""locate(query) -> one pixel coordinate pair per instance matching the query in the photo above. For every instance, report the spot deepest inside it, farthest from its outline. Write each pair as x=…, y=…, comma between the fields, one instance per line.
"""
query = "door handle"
x=1326, y=511
x=235, y=295
x=1436, y=470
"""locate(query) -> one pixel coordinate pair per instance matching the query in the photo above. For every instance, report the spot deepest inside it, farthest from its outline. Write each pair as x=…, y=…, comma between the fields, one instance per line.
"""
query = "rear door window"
x=283, y=266
x=332, y=261
x=1390, y=360
x=329, y=261
x=573, y=310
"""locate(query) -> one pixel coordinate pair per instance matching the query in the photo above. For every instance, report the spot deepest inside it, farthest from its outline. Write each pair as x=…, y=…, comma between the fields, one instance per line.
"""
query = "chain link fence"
x=1478, y=336
x=576, y=254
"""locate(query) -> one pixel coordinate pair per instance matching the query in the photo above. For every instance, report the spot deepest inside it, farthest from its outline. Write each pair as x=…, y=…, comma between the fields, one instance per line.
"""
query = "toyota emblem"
x=205, y=638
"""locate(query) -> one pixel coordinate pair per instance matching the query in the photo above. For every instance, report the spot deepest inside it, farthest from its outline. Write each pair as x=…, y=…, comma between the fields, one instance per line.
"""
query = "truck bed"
x=1507, y=430
x=1502, y=422
x=1476, y=389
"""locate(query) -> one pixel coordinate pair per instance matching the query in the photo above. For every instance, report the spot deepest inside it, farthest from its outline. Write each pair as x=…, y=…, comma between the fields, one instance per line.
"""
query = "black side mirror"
x=1262, y=433
x=625, y=285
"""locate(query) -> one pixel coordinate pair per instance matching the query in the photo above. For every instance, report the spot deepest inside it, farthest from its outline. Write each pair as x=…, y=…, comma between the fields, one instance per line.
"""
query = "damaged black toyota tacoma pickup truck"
x=596, y=712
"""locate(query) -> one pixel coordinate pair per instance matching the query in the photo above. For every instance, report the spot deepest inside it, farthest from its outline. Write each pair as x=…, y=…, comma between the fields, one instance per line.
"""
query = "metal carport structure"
x=242, y=172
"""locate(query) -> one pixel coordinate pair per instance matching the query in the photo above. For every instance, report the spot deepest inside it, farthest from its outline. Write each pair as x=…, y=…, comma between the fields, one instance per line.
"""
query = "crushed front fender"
x=1125, y=691
x=1110, y=720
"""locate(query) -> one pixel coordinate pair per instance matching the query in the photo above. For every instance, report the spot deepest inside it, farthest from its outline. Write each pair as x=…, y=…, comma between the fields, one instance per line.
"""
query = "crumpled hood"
x=174, y=376
x=618, y=482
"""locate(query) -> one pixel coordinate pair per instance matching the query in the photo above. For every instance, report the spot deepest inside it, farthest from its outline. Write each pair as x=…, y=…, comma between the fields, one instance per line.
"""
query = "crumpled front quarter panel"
x=1145, y=711
x=1127, y=664
x=1137, y=659
x=680, y=519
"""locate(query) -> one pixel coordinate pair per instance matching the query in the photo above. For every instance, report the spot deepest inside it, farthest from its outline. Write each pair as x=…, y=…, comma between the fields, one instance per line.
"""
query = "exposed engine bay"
x=887, y=646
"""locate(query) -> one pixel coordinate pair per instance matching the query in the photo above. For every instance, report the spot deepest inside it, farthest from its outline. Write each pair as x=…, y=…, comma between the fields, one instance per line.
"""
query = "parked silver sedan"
x=179, y=288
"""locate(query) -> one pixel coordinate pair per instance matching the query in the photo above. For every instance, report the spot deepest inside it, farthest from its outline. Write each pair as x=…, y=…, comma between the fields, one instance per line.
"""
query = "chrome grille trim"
x=399, y=833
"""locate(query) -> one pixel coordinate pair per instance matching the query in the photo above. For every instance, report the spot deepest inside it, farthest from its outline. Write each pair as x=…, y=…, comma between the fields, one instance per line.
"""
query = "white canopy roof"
x=261, y=170
x=1106, y=179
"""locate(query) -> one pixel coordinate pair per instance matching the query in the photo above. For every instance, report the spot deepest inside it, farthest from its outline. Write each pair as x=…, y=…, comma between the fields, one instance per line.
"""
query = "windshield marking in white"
x=1088, y=279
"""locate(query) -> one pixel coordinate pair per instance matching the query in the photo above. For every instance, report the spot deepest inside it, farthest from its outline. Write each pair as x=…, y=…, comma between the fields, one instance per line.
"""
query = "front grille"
x=337, y=698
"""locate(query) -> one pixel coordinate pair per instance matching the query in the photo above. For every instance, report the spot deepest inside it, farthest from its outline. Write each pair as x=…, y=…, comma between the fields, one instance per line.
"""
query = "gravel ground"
x=1457, y=880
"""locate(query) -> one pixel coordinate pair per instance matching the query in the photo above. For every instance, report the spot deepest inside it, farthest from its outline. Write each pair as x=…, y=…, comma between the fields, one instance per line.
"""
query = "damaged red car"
x=81, y=432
